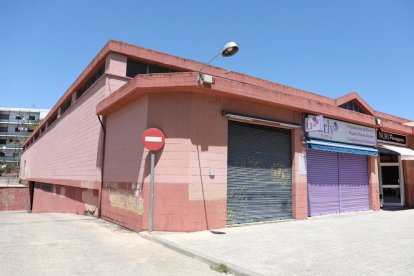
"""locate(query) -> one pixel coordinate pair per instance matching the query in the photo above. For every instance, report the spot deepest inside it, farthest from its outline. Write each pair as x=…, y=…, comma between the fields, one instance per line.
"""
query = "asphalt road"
x=67, y=244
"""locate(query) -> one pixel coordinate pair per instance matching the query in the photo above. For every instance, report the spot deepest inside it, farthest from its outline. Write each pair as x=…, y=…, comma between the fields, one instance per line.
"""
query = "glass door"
x=392, y=183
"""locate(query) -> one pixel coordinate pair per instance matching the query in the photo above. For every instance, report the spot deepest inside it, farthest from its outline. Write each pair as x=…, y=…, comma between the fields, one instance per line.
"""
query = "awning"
x=340, y=147
x=406, y=153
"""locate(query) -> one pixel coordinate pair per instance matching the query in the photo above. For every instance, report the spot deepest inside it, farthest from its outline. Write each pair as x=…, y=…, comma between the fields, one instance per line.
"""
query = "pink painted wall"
x=408, y=169
x=68, y=153
x=65, y=199
x=186, y=197
x=122, y=196
x=14, y=198
x=374, y=198
x=299, y=177
x=69, y=147
x=196, y=143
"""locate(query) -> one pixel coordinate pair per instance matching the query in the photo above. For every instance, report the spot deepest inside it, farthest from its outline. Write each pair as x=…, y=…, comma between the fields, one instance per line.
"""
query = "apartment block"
x=16, y=124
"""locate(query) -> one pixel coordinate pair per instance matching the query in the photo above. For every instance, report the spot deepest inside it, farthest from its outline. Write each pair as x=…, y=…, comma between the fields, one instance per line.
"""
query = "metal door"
x=323, y=182
x=259, y=177
x=353, y=182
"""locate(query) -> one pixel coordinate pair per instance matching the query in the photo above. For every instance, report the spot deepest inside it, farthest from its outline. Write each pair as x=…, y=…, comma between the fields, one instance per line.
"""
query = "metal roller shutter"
x=337, y=182
x=323, y=179
x=353, y=182
x=259, y=179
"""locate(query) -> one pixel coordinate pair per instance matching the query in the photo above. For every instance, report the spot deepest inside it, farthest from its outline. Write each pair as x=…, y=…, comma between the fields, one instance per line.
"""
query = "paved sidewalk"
x=368, y=243
x=67, y=244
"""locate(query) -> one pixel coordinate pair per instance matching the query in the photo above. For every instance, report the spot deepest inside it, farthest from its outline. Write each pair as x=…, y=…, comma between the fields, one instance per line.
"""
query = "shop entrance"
x=259, y=173
x=391, y=180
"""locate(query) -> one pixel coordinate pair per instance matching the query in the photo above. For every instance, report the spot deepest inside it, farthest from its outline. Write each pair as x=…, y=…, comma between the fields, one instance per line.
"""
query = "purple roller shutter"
x=323, y=182
x=353, y=182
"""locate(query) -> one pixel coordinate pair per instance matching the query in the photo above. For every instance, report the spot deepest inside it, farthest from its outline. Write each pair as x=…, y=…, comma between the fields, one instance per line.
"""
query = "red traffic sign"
x=153, y=139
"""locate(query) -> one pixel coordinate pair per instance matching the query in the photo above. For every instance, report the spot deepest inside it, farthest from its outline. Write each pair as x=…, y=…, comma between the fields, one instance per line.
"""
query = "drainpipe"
x=102, y=149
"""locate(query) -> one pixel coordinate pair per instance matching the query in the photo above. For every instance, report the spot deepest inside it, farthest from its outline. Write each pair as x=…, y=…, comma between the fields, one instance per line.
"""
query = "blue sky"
x=322, y=46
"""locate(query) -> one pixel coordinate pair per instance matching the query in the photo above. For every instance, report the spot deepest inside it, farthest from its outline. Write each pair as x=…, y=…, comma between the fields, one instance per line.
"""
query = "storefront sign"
x=314, y=123
x=391, y=138
x=339, y=131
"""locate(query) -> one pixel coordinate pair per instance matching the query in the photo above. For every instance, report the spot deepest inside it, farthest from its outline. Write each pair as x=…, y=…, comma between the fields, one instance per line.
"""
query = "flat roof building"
x=16, y=124
x=237, y=150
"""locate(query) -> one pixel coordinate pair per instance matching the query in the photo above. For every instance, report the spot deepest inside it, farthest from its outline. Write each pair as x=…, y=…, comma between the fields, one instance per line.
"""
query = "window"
x=44, y=186
x=10, y=140
x=4, y=116
x=32, y=118
x=4, y=129
x=19, y=117
x=65, y=106
x=16, y=129
x=353, y=106
x=2, y=154
x=3, y=141
x=386, y=157
x=51, y=120
x=156, y=69
x=92, y=79
x=135, y=67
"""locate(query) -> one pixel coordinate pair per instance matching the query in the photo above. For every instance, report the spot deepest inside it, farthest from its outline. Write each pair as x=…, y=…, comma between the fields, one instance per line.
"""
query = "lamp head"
x=229, y=49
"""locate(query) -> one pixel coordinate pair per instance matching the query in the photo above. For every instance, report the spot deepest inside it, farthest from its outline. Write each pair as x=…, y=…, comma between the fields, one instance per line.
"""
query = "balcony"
x=9, y=158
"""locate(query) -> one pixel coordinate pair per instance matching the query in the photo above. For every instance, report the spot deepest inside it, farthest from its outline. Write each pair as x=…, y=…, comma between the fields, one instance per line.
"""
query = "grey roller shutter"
x=259, y=178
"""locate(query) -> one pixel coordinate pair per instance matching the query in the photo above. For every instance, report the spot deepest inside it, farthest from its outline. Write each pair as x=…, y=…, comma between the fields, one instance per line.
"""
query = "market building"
x=238, y=149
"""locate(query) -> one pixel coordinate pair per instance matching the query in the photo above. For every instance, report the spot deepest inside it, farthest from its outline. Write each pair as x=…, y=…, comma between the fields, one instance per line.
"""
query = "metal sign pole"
x=151, y=207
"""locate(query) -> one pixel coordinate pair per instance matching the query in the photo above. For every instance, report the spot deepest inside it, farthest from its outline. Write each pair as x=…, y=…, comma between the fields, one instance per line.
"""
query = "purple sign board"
x=338, y=131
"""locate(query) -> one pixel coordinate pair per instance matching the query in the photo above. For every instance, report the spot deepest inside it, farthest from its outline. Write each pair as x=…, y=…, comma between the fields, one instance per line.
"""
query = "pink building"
x=237, y=151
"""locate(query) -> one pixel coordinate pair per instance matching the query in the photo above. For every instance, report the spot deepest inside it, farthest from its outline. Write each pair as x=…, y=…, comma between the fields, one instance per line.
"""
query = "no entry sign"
x=153, y=139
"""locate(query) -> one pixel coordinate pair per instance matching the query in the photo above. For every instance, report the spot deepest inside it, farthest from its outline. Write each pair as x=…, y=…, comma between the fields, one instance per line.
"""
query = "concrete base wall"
x=122, y=204
x=64, y=199
x=14, y=198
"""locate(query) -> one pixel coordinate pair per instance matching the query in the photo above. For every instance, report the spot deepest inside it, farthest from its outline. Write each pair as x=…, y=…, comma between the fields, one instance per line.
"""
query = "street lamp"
x=228, y=50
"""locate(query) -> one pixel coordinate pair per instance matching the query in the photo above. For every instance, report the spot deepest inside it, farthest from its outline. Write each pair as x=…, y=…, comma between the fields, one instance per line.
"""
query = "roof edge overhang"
x=187, y=82
x=141, y=53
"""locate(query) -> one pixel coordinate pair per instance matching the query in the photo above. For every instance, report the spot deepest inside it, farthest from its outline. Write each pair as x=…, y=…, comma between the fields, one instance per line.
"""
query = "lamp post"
x=228, y=50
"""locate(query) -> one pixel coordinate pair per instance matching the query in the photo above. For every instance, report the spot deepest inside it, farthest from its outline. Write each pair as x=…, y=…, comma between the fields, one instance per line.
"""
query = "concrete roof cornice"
x=187, y=82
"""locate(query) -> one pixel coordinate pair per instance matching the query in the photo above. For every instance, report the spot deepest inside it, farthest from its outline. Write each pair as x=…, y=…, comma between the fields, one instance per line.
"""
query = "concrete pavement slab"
x=366, y=243
x=68, y=244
